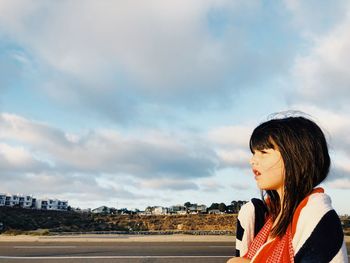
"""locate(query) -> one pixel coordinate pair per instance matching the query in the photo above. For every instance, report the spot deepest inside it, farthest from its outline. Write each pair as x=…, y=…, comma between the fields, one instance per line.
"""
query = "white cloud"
x=322, y=75
x=231, y=144
x=16, y=159
x=314, y=17
x=234, y=158
x=15, y=155
x=334, y=123
x=31, y=132
x=229, y=136
x=240, y=186
x=94, y=165
x=211, y=186
x=343, y=183
x=157, y=42
x=120, y=60
x=168, y=184
x=106, y=151
x=66, y=186
x=342, y=164
x=148, y=61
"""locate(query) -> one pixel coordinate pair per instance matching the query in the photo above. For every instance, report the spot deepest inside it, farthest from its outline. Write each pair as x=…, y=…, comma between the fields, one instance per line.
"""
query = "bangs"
x=261, y=140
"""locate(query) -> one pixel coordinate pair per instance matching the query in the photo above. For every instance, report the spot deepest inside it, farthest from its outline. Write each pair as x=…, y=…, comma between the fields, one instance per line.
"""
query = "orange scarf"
x=279, y=249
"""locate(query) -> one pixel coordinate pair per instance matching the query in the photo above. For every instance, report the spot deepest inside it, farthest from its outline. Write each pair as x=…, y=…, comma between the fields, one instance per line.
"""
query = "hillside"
x=26, y=219
x=20, y=219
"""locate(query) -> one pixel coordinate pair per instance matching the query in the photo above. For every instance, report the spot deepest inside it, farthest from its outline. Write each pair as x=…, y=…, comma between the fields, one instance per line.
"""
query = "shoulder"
x=311, y=213
x=318, y=230
x=318, y=203
x=252, y=215
x=250, y=209
x=246, y=211
x=248, y=221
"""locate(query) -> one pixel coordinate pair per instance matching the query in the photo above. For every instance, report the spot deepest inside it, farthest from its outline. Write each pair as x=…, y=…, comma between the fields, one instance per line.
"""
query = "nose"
x=252, y=161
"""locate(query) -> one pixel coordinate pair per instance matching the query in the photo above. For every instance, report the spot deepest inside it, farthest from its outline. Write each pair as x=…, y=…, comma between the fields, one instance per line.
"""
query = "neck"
x=281, y=196
x=280, y=192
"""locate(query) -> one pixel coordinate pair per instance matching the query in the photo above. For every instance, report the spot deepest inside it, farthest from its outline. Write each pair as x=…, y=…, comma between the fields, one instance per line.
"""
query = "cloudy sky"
x=137, y=103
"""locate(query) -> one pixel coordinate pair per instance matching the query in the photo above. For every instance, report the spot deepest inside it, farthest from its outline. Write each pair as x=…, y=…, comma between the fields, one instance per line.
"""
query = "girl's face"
x=268, y=169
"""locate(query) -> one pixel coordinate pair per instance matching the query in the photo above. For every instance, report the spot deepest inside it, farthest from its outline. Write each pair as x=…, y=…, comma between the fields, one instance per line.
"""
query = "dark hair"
x=304, y=151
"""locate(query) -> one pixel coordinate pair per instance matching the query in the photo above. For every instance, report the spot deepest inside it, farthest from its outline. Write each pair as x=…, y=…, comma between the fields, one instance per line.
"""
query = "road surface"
x=115, y=252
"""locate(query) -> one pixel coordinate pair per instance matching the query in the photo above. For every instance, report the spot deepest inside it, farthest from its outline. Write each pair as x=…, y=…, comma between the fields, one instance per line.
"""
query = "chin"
x=264, y=188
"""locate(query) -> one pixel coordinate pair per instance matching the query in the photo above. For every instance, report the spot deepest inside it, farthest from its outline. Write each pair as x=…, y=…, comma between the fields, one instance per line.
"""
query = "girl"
x=295, y=222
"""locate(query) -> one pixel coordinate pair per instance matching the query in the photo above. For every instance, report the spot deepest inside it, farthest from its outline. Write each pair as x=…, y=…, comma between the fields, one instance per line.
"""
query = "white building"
x=159, y=210
x=2, y=199
x=101, y=210
x=51, y=204
x=178, y=209
x=197, y=209
x=28, y=201
x=25, y=201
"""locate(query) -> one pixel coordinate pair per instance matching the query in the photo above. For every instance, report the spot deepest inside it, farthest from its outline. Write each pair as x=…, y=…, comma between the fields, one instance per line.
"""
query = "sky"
x=143, y=103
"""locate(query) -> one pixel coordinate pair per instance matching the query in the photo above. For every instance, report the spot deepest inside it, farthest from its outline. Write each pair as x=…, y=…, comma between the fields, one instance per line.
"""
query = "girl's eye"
x=263, y=151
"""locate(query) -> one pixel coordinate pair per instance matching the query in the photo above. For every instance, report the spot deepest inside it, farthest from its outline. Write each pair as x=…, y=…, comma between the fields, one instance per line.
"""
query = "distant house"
x=156, y=210
x=17, y=200
x=197, y=209
x=159, y=210
x=51, y=204
x=178, y=209
x=28, y=201
x=123, y=211
x=215, y=211
x=101, y=210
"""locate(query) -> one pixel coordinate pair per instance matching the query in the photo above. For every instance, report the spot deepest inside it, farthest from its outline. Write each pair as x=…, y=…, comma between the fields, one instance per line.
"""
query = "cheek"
x=281, y=175
x=283, y=170
x=276, y=173
x=273, y=165
x=274, y=180
x=280, y=170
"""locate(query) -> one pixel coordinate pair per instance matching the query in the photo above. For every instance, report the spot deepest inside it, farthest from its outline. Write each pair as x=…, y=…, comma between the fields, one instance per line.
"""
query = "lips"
x=256, y=172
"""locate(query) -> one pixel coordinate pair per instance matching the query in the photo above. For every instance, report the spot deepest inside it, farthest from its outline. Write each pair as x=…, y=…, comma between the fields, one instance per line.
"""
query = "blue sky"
x=130, y=104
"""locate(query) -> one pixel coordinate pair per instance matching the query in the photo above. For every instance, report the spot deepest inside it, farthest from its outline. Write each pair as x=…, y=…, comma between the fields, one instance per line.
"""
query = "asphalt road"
x=172, y=252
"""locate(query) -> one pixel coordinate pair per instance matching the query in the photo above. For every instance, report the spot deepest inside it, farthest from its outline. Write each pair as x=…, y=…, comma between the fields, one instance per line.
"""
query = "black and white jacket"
x=318, y=237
